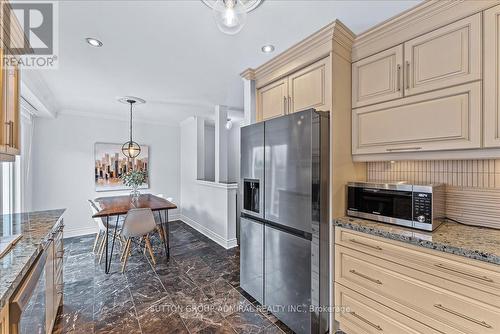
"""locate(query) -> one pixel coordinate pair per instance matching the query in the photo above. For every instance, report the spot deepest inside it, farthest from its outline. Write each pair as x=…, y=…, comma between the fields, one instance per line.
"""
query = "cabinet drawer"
x=363, y=315
x=439, y=308
x=467, y=277
x=441, y=120
x=444, y=57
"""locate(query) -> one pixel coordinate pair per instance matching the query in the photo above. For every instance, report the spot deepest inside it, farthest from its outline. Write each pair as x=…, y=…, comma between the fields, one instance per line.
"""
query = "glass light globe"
x=229, y=124
x=131, y=149
x=230, y=16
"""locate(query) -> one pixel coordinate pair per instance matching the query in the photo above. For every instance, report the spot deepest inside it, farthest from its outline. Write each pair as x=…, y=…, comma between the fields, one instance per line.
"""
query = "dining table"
x=118, y=206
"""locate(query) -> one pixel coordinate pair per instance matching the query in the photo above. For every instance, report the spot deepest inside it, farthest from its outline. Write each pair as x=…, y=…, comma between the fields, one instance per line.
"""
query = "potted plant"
x=134, y=179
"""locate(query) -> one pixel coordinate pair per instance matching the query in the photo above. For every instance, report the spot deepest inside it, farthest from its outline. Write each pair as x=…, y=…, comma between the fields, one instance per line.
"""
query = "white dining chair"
x=101, y=232
x=138, y=223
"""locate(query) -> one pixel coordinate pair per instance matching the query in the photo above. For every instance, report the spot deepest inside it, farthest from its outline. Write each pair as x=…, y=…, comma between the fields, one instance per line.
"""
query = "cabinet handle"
x=365, y=277
x=484, y=278
x=407, y=75
x=463, y=316
x=403, y=149
x=354, y=241
x=285, y=105
x=366, y=321
x=11, y=134
x=398, y=73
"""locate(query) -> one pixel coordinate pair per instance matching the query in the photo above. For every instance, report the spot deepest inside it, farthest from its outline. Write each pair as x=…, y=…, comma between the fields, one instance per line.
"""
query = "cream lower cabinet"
x=492, y=77
x=4, y=320
x=448, y=119
x=384, y=286
x=307, y=88
x=378, y=78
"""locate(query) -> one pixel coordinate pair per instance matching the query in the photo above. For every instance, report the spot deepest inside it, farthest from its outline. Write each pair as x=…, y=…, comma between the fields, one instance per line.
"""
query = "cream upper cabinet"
x=378, y=78
x=444, y=57
x=491, y=77
x=310, y=87
x=272, y=100
x=449, y=119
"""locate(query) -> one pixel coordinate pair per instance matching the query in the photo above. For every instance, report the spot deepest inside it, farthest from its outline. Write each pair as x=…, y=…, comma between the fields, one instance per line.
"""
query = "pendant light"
x=131, y=149
x=230, y=15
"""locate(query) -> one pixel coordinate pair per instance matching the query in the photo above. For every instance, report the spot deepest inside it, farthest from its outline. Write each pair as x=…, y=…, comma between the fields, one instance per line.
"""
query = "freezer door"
x=288, y=170
x=252, y=170
x=252, y=258
x=288, y=278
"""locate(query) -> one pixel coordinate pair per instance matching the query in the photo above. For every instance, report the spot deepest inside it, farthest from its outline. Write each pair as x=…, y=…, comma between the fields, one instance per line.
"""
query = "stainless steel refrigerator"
x=284, y=232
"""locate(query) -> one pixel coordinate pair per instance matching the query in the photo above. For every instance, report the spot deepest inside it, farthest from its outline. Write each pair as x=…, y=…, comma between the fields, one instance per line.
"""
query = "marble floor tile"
x=196, y=291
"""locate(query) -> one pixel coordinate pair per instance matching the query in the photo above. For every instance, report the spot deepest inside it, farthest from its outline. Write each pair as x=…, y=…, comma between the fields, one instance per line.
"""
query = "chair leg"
x=150, y=249
x=97, y=236
x=127, y=247
x=101, y=249
x=160, y=232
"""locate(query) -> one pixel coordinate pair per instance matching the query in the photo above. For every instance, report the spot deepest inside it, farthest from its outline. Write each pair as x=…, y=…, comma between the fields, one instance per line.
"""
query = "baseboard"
x=77, y=232
x=227, y=244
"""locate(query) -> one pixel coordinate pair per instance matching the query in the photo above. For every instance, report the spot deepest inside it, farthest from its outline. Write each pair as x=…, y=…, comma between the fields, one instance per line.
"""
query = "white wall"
x=209, y=152
x=206, y=206
x=63, y=163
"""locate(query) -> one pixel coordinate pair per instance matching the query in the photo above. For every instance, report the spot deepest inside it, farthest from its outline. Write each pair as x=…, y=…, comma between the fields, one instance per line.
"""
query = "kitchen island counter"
x=478, y=243
x=36, y=229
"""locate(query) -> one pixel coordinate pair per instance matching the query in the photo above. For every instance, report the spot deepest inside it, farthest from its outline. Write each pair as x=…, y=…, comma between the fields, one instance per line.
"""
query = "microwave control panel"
x=422, y=207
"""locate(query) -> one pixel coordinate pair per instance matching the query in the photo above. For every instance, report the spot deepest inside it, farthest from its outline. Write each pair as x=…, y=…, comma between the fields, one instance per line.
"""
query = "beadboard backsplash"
x=472, y=186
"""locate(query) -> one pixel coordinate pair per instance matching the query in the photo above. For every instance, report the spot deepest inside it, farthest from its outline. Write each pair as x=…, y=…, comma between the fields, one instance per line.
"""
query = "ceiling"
x=171, y=54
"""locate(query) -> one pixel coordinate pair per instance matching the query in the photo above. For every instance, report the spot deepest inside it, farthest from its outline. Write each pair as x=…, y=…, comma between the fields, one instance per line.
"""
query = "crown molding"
x=416, y=21
x=248, y=74
x=334, y=37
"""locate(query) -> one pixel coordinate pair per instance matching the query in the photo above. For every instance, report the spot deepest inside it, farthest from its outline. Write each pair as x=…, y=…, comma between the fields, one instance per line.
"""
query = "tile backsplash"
x=472, y=186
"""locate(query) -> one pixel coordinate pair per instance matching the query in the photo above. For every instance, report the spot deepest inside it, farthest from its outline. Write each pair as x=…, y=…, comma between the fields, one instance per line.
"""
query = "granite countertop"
x=35, y=228
x=479, y=243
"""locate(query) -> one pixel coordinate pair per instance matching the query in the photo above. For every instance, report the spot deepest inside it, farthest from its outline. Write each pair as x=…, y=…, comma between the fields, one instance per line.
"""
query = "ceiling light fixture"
x=230, y=15
x=94, y=42
x=131, y=149
x=268, y=48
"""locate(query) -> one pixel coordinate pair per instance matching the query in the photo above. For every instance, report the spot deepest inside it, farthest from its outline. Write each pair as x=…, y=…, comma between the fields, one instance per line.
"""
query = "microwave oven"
x=420, y=206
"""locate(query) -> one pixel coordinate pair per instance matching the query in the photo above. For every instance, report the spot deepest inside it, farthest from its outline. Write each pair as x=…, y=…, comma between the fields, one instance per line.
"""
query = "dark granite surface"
x=196, y=291
x=35, y=228
x=479, y=243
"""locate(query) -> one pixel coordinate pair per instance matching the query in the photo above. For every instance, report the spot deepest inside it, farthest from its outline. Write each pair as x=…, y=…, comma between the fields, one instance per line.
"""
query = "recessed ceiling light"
x=268, y=48
x=94, y=42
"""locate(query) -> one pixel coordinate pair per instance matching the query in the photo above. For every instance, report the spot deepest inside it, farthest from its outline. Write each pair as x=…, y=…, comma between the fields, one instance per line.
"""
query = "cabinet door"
x=4, y=320
x=3, y=106
x=491, y=77
x=12, y=112
x=444, y=57
x=310, y=87
x=49, y=286
x=272, y=100
x=442, y=120
x=378, y=78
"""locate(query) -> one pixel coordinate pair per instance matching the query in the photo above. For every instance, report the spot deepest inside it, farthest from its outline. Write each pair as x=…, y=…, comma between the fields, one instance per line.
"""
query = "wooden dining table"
x=116, y=206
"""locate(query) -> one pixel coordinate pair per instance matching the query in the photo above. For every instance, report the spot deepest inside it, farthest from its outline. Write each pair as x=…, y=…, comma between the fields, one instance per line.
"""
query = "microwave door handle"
x=388, y=192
